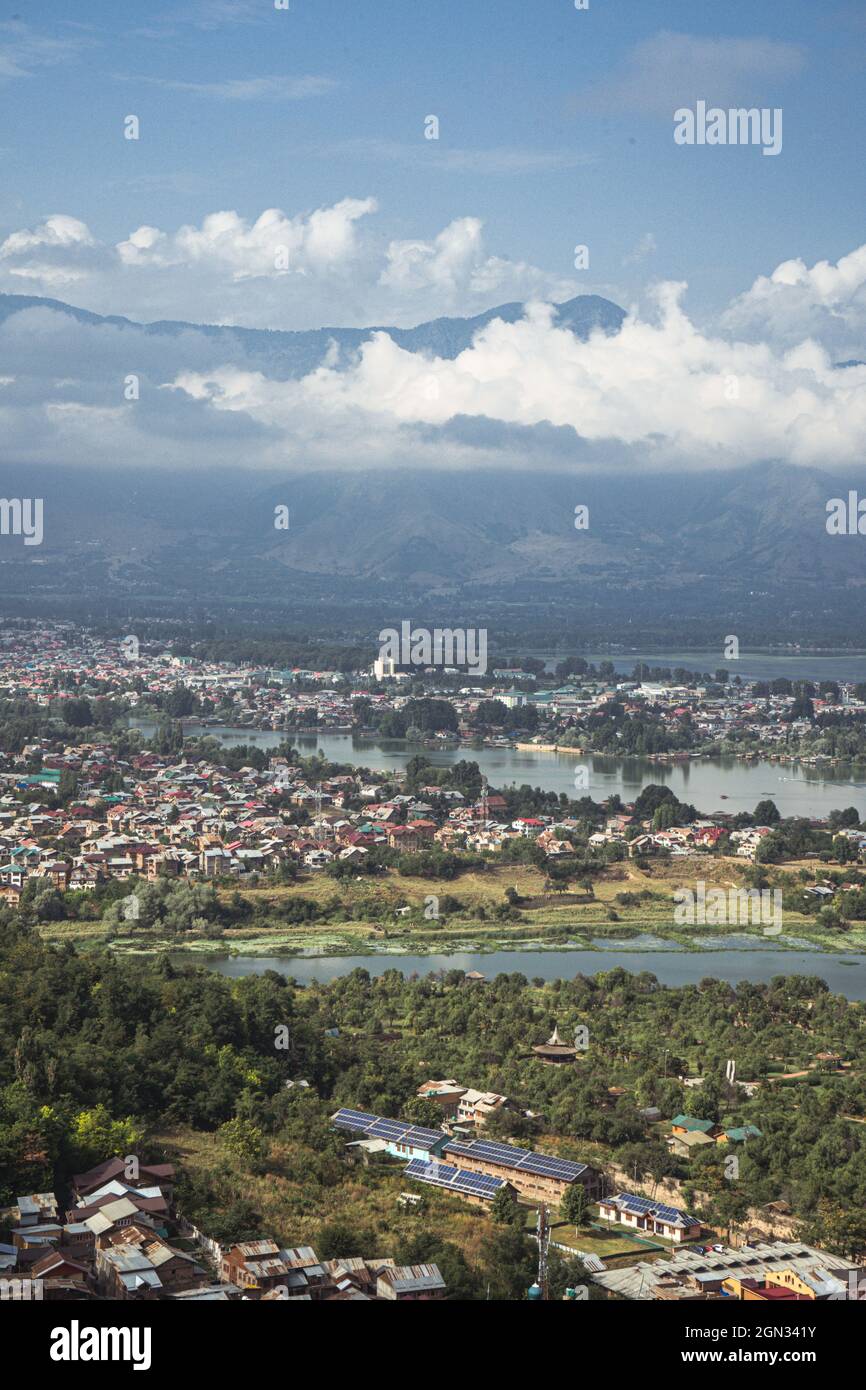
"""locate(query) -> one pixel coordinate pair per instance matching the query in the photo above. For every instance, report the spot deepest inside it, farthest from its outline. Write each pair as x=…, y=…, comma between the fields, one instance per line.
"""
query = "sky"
x=282, y=177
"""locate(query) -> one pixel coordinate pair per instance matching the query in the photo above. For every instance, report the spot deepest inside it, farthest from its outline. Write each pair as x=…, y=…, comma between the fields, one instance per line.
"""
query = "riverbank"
x=499, y=907
x=350, y=940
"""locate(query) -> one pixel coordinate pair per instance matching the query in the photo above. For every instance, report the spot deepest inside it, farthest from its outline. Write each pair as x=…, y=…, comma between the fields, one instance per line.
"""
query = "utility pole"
x=543, y=1246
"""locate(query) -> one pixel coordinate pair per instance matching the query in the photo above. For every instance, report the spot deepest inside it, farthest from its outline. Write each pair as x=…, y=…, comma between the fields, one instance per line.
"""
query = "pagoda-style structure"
x=555, y=1052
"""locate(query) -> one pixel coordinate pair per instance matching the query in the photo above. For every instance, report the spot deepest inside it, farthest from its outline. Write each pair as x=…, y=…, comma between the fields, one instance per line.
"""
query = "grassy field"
x=607, y=1247
x=362, y=914
x=293, y=1211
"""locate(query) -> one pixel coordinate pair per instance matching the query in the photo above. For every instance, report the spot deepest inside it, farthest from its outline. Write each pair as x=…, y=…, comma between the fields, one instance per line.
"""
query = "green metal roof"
x=690, y=1123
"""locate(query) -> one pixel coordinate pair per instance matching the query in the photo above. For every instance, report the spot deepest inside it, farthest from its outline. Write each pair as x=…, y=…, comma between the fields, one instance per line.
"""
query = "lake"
x=720, y=784
x=750, y=666
x=844, y=974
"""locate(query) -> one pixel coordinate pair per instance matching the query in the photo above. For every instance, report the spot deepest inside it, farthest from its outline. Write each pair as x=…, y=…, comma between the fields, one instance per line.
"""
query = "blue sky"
x=282, y=179
x=555, y=126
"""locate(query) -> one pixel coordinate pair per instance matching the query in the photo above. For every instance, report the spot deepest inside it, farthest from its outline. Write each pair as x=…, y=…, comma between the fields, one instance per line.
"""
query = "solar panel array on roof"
x=455, y=1179
x=391, y=1131
x=644, y=1206
x=524, y=1160
x=630, y=1203
x=353, y=1119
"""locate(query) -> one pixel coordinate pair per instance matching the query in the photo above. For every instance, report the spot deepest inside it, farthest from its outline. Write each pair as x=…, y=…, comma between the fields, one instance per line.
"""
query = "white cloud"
x=55, y=254
x=644, y=247
x=661, y=387
x=272, y=245
x=826, y=302
x=671, y=70
x=280, y=270
x=22, y=51
x=456, y=265
x=664, y=392
x=248, y=88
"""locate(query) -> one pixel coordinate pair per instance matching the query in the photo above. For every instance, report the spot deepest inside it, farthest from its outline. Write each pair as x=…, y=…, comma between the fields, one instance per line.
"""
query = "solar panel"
x=644, y=1206
x=489, y=1151
x=354, y=1120
x=443, y=1173
x=386, y=1129
x=392, y=1131
x=524, y=1160
x=419, y=1136
x=640, y=1204
x=552, y=1167
x=446, y=1175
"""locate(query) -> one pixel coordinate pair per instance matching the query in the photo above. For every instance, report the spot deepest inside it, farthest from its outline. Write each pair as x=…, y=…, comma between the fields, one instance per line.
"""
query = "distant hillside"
x=744, y=550
x=290, y=353
x=741, y=551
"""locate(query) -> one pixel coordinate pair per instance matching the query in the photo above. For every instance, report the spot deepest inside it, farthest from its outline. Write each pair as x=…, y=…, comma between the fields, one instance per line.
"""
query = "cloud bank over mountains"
x=323, y=266
x=763, y=382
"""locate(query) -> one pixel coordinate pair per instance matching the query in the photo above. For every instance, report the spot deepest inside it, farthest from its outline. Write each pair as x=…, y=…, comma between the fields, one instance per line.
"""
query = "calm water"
x=834, y=666
x=843, y=974
x=724, y=784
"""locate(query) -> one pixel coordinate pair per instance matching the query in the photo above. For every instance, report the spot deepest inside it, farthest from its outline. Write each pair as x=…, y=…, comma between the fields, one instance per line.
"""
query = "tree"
x=653, y=796
x=505, y=1209
x=243, y=1139
x=766, y=813
x=490, y=712
x=78, y=714
x=574, y=1204
x=95, y=1136
x=508, y=1263
x=179, y=702
x=664, y=816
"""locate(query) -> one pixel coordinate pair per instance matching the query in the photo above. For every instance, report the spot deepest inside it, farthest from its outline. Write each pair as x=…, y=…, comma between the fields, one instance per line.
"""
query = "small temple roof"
x=555, y=1048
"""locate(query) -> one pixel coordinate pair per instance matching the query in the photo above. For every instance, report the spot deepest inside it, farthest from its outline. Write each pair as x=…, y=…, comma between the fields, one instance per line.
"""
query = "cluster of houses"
x=160, y=815
x=118, y=1238
x=758, y=1271
x=200, y=821
x=260, y=1269
x=122, y=1239
x=180, y=819
x=688, y=1134
x=50, y=663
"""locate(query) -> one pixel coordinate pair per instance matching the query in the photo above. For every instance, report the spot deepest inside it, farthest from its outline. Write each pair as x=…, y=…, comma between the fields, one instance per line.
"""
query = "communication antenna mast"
x=543, y=1247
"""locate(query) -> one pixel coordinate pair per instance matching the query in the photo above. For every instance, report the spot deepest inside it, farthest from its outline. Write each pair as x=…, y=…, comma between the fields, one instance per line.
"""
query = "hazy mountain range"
x=661, y=552
x=294, y=354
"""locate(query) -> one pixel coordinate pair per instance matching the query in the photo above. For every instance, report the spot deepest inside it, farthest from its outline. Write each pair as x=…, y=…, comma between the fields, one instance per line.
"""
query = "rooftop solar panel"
x=418, y=1135
x=455, y=1179
x=380, y=1127
x=353, y=1119
x=643, y=1206
x=525, y=1160
x=387, y=1129
x=552, y=1167
x=431, y=1172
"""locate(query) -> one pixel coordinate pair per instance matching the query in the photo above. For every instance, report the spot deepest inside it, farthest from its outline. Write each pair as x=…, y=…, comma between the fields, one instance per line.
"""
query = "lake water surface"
x=720, y=784
x=844, y=974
